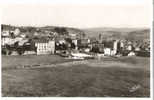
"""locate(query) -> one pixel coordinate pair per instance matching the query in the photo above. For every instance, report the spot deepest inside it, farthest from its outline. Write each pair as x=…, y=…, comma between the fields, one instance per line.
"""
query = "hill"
x=128, y=33
x=107, y=32
x=47, y=28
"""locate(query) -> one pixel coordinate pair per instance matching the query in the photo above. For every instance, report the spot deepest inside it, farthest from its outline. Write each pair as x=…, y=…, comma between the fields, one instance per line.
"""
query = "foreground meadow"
x=108, y=77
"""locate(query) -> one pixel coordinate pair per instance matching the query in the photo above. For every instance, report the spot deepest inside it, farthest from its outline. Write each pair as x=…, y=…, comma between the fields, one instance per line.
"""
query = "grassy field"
x=109, y=77
x=13, y=61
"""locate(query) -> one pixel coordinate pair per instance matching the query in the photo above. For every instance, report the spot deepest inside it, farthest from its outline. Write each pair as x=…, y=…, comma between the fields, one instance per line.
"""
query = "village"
x=70, y=45
x=57, y=62
x=88, y=49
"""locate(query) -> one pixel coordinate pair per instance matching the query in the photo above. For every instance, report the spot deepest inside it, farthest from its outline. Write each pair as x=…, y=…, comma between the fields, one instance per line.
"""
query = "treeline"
x=31, y=29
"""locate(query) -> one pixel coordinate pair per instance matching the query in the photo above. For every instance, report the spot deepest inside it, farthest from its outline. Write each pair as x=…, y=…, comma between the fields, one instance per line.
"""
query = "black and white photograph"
x=87, y=49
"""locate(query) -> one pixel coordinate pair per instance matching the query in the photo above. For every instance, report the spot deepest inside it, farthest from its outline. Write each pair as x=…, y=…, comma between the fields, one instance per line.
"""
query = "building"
x=9, y=37
x=5, y=37
x=84, y=41
x=137, y=49
x=72, y=36
x=129, y=47
x=16, y=32
x=115, y=47
x=5, y=40
x=44, y=46
x=5, y=33
x=131, y=54
x=107, y=51
x=75, y=41
x=100, y=39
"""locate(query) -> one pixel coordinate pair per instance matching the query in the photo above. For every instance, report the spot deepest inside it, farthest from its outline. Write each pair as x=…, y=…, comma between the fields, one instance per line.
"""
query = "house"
x=129, y=47
x=72, y=36
x=107, y=51
x=23, y=35
x=75, y=41
x=10, y=37
x=44, y=46
x=97, y=47
x=16, y=32
x=5, y=33
x=111, y=47
x=5, y=40
x=60, y=40
x=84, y=41
x=137, y=49
x=131, y=54
x=121, y=44
x=5, y=37
x=115, y=47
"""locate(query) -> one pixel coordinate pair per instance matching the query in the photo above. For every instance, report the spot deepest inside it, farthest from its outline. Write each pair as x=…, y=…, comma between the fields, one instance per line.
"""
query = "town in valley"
x=53, y=61
x=72, y=43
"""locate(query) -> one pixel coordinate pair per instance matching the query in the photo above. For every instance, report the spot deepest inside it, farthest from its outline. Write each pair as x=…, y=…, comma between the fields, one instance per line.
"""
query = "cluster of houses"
x=17, y=43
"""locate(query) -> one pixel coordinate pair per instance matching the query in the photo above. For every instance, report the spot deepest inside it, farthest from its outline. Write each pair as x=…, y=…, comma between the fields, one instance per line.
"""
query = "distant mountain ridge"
x=129, y=33
x=138, y=33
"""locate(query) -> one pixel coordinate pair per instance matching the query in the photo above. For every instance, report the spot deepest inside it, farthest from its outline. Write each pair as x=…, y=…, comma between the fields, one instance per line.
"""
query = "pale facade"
x=129, y=47
x=45, y=47
x=5, y=40
x=115, y=47
x=107, y=51
x=5, y=33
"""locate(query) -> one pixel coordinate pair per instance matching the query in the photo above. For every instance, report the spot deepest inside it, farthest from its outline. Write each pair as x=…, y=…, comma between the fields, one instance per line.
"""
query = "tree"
x=31, y=29
x=73, y=45
x=69, y=40
x=61, y=31
x=2, y=27
x=100, y=36
x=95, y=49
x=81, y=35
x=12, y=35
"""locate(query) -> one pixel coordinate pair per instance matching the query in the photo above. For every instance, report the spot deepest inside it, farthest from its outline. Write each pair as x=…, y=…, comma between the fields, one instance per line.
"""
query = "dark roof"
x=41, y=40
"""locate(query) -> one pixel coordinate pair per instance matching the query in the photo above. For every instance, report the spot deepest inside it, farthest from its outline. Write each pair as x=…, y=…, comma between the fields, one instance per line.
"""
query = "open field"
x=13, y=61
x=108, y=77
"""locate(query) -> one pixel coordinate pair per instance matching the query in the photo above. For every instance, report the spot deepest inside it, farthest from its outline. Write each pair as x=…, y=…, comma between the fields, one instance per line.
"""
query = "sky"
x=133, y=13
